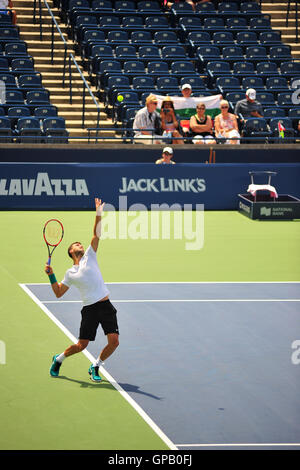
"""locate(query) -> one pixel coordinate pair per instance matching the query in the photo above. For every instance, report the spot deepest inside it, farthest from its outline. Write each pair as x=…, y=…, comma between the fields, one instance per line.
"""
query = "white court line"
x=184, y=282
x=240, y=445
x=115, y=384
x=179, y=300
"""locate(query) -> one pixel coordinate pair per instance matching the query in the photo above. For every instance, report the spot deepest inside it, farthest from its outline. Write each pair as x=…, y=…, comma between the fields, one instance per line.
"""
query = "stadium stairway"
x=52, y=75
x=278, y=9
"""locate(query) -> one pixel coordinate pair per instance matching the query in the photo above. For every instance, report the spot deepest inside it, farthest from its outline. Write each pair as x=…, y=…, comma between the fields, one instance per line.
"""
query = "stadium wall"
x=73, y=186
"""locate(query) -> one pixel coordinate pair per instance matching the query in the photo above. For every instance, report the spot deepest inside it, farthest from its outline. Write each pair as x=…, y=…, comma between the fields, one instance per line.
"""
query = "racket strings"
x=53, y=232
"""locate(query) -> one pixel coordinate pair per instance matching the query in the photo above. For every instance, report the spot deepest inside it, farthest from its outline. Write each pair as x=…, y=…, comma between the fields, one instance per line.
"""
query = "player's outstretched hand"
x=99, y=206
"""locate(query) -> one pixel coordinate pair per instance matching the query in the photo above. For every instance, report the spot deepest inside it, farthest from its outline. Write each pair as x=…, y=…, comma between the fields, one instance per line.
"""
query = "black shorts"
x=103, y=313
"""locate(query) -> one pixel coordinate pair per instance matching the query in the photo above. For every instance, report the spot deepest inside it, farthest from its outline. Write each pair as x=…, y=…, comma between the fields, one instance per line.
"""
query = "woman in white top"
x=85, y=274
x=226, y=125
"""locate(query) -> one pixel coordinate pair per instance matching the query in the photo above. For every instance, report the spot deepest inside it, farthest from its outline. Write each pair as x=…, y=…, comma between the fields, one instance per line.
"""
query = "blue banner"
x=74, y=186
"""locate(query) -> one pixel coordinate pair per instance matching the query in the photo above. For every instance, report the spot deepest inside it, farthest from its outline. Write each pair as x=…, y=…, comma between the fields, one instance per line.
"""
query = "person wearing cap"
x=186, y=90
x=146, y=124
x=248, y=107
x=166, y=158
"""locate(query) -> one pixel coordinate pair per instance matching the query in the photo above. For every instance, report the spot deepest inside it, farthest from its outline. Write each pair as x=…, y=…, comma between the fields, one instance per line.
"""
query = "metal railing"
x=296, y=15
x=71, y=59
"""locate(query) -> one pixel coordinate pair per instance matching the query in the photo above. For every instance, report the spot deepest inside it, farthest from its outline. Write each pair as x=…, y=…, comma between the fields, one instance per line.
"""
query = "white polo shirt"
x=87, y=277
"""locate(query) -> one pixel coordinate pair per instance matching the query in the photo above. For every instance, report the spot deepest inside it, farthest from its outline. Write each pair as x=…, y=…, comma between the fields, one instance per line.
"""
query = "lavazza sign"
x=43, y=185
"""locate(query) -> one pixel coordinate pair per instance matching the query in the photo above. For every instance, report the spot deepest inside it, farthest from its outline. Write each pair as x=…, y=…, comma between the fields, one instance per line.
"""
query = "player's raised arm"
x=59, y=289
x=97, y=225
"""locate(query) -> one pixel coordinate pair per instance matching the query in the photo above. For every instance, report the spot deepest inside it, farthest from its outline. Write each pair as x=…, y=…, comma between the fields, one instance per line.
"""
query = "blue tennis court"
x=210, y=363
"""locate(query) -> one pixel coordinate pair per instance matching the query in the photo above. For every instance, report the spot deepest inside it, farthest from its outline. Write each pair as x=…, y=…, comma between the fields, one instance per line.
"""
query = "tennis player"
x=85, y=274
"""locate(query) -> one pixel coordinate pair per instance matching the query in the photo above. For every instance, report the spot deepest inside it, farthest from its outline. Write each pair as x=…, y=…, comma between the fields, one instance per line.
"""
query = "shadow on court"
x=105, y=384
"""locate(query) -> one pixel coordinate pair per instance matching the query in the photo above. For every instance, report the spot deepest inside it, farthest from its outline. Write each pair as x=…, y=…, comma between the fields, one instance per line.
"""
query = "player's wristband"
x=52, y=278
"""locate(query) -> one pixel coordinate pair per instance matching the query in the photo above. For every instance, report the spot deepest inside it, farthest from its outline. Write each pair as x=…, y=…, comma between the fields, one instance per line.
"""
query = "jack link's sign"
x=74, y=185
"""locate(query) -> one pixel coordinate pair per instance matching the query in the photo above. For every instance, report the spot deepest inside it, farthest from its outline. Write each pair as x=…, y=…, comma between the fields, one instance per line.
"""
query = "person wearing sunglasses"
x=147, y=124
x=201, y=126
x=226, y=125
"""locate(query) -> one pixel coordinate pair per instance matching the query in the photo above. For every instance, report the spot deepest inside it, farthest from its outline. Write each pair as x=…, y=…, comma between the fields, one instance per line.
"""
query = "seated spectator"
x=146, y=125
x=201, y=126
x=226, y=125
x=248, y=107
x=167, y=155
x=186, y=90
x=169, y=122
x=7, y=4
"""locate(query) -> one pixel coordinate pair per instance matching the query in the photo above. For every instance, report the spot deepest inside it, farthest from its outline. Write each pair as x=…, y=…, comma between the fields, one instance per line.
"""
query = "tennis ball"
x=120, y=98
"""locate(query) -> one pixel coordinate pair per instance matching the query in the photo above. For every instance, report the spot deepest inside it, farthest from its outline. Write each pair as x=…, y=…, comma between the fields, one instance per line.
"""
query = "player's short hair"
x=70, y=247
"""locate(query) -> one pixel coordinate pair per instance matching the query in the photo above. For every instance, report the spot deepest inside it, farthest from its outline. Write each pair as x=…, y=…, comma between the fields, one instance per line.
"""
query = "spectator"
x=7, y=4
x=166, y=158
x=248, y=107
x=147, y=123
x=226, y=125
x=169, y=122
x=201, y=126
x=193, y=3
x=186, y=90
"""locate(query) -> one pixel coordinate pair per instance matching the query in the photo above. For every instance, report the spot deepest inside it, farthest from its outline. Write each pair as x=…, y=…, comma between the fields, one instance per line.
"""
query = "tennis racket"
x=53, y=233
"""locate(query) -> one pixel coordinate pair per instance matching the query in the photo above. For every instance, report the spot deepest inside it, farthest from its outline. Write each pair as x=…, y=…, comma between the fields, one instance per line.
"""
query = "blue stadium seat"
x=6, y=133
x=280, y=53
x=9, y=79
x=233, y=54
x=223, y=38
x=126, y=52
x=130, y=99
x=37, y=97
x=54, y=128
x=190, y=23
x=277, y=84
x=155, y=23
x=134, y=67
x=167, y=85
x=253, y=82
x=196, y=82
x=213, y=24
x=141, y=38
x=250, y=9
x=145, y=82
x=256, y=128
x=125, y=7
x=273, y=112
x=289, y=132
x=4, y=67
x=266, y=98
x=98, y=53
x=267, y=69
x=290, y=69
x=22, y=66
x=243, y=69
x=228, y=9
x=15, y=49
x=158, y=68
x=115, y=82
x=183, y=67
x=270, y=38
x=205, y=9
x=181, y=9
x=28, y=130
x=132, y=23
x=45, y=111
x=14, y=97
x=173, y=52
x=198, y=38
x=16, y=112
x=260, y=24
x=237, y=23
x=284, y=99
x=227, y=84
x=30, y=81
x=207, y=54
x=256, y=54
x=294, y=115
x=148, y=7
x=117, y=37
x=148, y=53
x=9, y=34
x=247, y=38
x=103, y=68
x=161, y=38
x=217, y=69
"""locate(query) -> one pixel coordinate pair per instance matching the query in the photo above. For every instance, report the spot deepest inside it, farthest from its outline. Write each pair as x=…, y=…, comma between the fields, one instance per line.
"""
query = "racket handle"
x=48, y=263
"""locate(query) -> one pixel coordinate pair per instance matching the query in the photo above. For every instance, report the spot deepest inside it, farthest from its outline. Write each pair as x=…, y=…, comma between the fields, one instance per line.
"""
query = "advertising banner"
x=74, y=185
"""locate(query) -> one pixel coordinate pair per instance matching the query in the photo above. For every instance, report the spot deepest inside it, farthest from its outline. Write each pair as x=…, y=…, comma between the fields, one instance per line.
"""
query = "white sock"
x=61, y=357
x=98, y=362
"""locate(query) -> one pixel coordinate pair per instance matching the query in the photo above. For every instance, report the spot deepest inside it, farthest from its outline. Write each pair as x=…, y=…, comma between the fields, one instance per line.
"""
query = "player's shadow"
x=106, y=384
